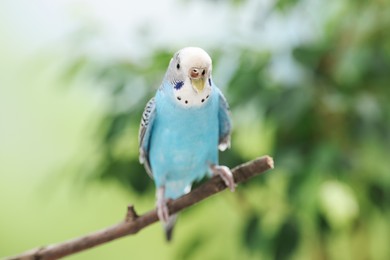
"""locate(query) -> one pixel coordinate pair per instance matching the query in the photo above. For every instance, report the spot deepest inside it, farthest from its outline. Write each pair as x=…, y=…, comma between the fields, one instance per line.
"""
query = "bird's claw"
x=225, y=174
x=162, y=208
x=162, y=211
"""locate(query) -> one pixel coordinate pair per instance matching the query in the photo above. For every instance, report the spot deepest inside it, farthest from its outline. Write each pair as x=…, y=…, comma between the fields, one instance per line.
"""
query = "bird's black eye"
x=178, y=66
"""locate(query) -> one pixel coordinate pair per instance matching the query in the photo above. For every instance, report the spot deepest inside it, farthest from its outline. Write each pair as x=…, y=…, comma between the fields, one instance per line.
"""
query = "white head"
x=189, y=73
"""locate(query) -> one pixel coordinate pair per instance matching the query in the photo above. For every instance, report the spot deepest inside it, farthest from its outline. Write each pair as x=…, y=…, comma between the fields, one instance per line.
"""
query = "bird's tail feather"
x=169, y=227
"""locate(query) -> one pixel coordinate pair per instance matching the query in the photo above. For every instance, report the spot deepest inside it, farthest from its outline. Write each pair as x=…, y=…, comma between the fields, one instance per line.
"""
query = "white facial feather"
x=187, y=97
x=193, y=57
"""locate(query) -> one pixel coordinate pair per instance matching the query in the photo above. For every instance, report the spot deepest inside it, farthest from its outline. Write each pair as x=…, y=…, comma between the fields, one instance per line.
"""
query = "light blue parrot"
x=182, y=128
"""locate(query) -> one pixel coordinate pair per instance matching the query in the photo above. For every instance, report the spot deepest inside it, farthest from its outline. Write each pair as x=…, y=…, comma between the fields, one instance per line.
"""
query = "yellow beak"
x=198, y=84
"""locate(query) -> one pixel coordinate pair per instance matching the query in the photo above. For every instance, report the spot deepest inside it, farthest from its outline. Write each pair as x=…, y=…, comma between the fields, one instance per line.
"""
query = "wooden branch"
x=134, y=223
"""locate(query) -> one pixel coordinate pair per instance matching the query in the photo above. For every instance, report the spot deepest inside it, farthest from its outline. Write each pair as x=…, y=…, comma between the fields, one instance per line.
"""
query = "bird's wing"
x=225, y=124
x=144, y=134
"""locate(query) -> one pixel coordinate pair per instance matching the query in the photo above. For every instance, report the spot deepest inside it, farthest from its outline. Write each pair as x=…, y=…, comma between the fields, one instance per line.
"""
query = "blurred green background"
x=308, y=82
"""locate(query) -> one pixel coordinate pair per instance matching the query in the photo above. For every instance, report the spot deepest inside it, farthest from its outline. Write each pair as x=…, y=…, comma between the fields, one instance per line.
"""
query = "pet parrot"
x=181, y=130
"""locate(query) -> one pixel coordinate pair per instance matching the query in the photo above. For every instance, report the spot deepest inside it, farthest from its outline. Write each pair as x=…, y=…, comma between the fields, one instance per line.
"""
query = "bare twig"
x=131, y=215
x=134, y=223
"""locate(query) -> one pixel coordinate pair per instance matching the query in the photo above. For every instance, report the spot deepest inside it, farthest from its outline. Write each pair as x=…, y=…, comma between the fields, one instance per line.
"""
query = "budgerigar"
x=182, y=128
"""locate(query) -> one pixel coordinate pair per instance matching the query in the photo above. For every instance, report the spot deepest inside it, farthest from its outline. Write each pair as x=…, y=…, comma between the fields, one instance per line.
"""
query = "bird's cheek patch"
x=179, y=85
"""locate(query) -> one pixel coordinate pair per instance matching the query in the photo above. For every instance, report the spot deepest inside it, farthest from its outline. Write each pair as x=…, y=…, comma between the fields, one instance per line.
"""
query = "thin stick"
x=134, y=223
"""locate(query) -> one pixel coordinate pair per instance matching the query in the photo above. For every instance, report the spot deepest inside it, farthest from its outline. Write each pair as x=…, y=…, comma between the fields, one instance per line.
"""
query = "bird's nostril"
x=194, y=73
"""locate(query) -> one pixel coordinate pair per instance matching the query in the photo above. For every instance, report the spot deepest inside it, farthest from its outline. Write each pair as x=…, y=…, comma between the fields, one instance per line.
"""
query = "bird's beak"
x=198, y=84
x=198, y=78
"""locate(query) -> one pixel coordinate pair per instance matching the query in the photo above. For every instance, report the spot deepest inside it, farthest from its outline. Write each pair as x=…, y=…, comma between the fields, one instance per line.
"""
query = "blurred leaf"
x=285, y=4
x=379, y=196
x=287, y=239
x=252, y=237
x=128, y=173
x=192, y=245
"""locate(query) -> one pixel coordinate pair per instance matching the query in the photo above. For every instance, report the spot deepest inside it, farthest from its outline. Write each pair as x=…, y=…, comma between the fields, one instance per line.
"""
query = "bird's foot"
x=225, y=174
x=161, y=204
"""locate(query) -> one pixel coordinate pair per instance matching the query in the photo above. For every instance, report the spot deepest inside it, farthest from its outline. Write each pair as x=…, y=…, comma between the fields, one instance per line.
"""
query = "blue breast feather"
x=184, y=142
